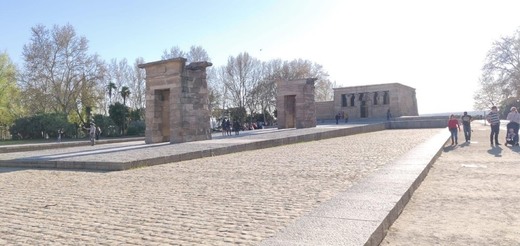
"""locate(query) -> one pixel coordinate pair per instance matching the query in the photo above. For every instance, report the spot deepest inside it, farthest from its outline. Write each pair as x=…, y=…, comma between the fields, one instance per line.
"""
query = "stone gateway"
x=177, y=102
x=295, y=103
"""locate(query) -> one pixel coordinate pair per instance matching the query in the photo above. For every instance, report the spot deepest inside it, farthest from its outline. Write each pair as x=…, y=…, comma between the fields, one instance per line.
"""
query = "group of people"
x=512, y=127
x=454, y=127
x=493, y=119
x=341, y=115
x=227, y=127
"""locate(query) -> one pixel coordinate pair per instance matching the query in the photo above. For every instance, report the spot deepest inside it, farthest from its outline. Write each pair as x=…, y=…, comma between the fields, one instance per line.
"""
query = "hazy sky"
x=437, y=47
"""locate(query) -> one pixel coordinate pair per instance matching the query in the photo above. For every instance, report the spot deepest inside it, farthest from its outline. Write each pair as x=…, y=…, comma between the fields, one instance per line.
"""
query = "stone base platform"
x=128, y=155
x=361, y=215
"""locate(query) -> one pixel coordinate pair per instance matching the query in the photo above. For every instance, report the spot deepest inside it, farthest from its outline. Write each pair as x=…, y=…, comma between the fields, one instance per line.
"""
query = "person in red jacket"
x=454, y=127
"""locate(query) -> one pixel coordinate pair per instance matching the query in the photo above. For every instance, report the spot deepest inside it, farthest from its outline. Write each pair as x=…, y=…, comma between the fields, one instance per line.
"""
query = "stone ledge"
x=33, y=147
x=357, y=216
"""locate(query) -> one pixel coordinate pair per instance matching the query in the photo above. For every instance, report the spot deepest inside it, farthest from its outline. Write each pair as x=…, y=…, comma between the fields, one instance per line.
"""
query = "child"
x=510, y=137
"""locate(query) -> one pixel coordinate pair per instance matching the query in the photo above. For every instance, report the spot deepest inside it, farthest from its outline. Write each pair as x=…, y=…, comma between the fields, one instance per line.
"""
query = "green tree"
x=111, y=87
x=125, y=93
x=119, y=114
x=40, y=126
x=107, y=125
x=9, y=93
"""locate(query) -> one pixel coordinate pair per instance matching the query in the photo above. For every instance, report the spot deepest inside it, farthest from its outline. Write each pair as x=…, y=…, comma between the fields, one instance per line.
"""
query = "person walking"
x=514, y=122
x=466, y=126
x=337, y=118
x=60, y=133
x=236, y=127
x=92, y=133
x=98, y=132
x=494, y=121
x=453, y=126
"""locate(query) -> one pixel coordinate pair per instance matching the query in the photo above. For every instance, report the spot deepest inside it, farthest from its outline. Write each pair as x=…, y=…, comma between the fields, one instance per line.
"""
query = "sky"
x=437, y=47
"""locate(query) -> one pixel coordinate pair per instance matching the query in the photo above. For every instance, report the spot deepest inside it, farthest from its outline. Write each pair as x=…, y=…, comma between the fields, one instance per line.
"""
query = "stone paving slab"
x=354, y=217
x=127, y=155
x=239, y=198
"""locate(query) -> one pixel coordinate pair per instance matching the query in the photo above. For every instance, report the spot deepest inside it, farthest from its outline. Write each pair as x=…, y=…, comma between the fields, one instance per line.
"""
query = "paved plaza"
x=470, y=197
x=308, y=193
x=240, y=198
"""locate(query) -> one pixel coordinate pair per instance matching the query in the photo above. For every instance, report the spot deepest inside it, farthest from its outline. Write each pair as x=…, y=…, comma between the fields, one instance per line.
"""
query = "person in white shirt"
x=514, y=122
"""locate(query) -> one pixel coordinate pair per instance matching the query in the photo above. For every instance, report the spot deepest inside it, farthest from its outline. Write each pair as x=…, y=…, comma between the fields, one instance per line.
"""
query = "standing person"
x=337, y=118
x=91, y=132
x=453, y=126
x=494, y=121
x=346, y=117
x=514, y=122
x=228, y=127
x=98, y=132
x=466, y=126
x=388, y=115
x=223, y=125
x=236, y=127
x=60, y=132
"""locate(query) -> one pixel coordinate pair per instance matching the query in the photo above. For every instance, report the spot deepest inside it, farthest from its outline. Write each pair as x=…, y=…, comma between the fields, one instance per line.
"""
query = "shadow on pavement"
x=496, y=151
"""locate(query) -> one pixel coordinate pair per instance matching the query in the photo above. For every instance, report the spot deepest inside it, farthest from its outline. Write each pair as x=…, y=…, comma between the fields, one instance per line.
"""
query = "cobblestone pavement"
x=240, y=198
x=471, y=196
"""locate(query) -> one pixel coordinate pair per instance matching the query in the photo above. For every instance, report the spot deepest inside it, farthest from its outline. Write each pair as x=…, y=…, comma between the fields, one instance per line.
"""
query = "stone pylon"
x=177, y=102
x=295, y=103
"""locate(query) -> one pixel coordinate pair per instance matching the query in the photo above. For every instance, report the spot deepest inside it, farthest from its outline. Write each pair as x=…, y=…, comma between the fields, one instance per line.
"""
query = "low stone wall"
x=254, y=145
x=417, y=122
x=325, y=110
x=64, y=144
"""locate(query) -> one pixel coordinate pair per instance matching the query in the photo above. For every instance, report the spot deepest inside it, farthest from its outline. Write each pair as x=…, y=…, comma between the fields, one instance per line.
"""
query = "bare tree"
x=138, y=86
x=300, y=69
x=216, y=94
x=121, y=74
x=488, y=95
x=197, y=53
x=242, y=75
x=59, y=71
x=501, y=71
x=174, y=52
x=324, y=90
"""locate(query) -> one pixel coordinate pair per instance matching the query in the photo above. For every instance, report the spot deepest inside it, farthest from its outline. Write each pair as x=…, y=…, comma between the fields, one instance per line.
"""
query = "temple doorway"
x=363, y=109
x=163, y=112
x=290, y=111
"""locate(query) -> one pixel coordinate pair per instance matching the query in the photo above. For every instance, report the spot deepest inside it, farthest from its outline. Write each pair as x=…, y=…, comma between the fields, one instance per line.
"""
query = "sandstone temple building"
x=370, y=101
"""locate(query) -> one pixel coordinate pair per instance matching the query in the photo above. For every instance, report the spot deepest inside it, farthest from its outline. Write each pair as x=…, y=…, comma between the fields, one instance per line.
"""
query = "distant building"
x=370, y=101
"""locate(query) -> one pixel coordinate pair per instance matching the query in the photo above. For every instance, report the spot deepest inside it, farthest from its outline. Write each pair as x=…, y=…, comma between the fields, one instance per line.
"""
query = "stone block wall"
x=373, y=101
x=177, y=102
x=295, y=103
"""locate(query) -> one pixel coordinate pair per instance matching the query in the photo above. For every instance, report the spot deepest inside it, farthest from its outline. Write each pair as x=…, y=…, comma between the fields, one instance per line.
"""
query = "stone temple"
x=370, y=101
x=177, y=102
